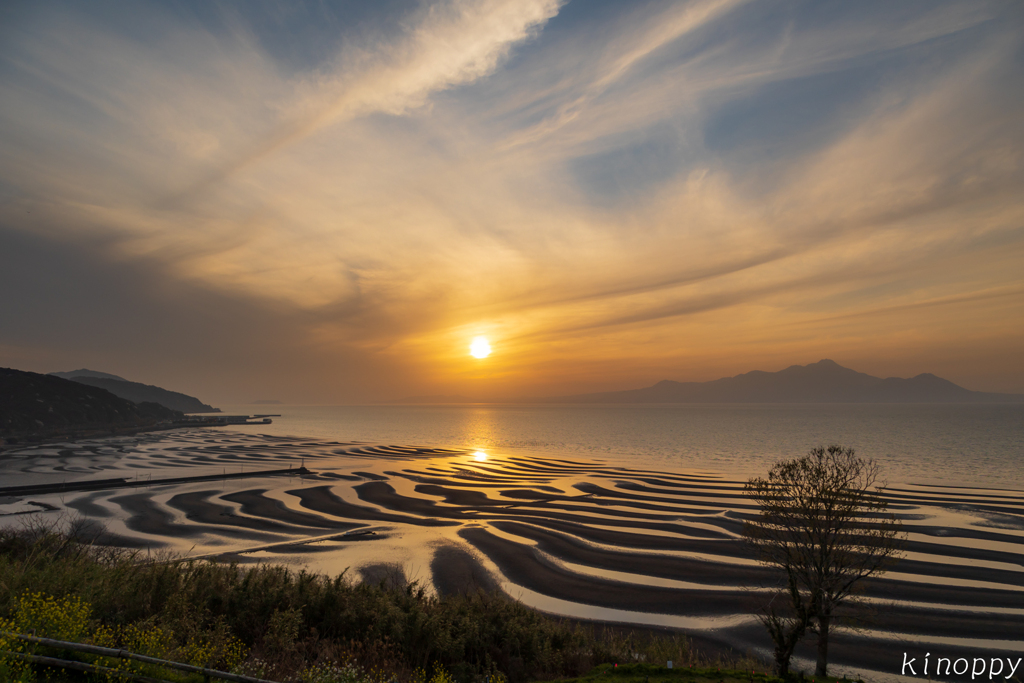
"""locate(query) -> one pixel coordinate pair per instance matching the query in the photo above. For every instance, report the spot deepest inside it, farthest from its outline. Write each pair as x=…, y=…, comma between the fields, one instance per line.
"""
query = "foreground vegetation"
x=649, y=673
x=271, y=622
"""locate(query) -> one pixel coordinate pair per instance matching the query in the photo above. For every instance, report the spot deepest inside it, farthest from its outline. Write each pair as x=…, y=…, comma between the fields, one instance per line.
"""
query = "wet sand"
x=579, y=539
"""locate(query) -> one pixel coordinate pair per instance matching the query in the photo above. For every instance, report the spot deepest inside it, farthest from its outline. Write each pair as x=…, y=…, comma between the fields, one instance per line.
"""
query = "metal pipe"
x=124, y=654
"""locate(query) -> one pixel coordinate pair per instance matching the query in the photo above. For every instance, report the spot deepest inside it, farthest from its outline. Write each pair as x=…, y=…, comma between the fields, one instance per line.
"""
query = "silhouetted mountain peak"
x=822, y=366
x=823, y=382
x=87, y=373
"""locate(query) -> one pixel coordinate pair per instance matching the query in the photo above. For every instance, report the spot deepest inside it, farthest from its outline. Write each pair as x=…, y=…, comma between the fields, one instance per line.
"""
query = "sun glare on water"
x=480, y=348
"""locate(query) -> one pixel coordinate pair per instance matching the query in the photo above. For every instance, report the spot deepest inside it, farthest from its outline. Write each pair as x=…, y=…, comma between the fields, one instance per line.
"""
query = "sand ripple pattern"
x=583, y=539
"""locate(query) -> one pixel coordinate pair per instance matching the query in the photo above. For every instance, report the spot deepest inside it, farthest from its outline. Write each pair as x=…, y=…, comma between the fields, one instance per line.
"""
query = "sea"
x=967, y=445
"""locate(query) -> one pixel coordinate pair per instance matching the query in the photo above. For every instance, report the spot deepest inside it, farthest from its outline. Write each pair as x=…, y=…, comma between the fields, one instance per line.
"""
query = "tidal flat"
x=576, y=537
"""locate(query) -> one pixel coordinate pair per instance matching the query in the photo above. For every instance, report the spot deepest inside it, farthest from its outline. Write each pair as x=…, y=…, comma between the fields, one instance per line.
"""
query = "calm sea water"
x=951, y=445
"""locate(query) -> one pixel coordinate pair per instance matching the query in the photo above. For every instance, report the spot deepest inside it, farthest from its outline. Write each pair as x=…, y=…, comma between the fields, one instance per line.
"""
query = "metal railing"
x=117, y=654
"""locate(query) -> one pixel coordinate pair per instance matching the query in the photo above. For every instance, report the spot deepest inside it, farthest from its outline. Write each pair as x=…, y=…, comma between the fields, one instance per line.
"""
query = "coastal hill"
x=38, y=405
x=823, y=382
x=136, y=392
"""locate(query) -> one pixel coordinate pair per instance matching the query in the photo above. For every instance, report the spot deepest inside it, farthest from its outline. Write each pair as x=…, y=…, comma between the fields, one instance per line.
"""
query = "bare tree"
x=824, y=524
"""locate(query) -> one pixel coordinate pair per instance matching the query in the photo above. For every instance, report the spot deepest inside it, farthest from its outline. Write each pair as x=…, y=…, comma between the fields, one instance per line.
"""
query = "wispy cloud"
x=596, y=183
x=443, y=46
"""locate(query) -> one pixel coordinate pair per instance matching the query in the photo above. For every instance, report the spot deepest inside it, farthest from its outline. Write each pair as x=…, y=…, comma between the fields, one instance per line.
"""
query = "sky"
x=327, y=202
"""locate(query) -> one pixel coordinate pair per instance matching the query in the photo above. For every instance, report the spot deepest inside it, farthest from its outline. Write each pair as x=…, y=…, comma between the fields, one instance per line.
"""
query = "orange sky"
x=326, y=205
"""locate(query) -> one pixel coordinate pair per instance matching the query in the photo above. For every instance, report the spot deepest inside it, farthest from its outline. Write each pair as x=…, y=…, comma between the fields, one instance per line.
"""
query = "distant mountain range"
x=42, y=405
x=137, y=392
x=823, y=382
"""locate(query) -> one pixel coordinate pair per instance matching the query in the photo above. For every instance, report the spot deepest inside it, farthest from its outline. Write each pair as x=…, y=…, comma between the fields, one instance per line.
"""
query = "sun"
x=480, y=348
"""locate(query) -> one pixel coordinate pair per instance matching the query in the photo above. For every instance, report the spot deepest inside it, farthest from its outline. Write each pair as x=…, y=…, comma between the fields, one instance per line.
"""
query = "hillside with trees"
x=137, y=392
x=35, y=406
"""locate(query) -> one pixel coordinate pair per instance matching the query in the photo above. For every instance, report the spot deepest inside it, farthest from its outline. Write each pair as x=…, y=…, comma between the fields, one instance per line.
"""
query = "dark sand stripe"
x=380, y=493
x=87, y=506
x=321, y=499
x=527, y=569
x=197, y=506
x=572, y=549
x=149, y=518
x=254, y=503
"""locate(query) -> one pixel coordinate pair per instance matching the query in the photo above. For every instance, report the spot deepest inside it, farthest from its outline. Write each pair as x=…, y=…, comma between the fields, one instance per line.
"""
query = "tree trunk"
x=823, y=622
x=782, y=654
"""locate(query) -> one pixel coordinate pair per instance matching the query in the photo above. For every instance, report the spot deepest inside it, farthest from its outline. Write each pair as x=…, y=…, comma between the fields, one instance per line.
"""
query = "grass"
x=650, y=673
x=272, y=622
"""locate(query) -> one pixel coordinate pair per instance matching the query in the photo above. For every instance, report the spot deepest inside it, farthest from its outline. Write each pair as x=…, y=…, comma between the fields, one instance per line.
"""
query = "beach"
x=576, y=537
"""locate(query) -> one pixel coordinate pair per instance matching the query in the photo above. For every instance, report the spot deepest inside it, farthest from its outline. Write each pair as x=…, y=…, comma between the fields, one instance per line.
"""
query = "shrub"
x=270, y=622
